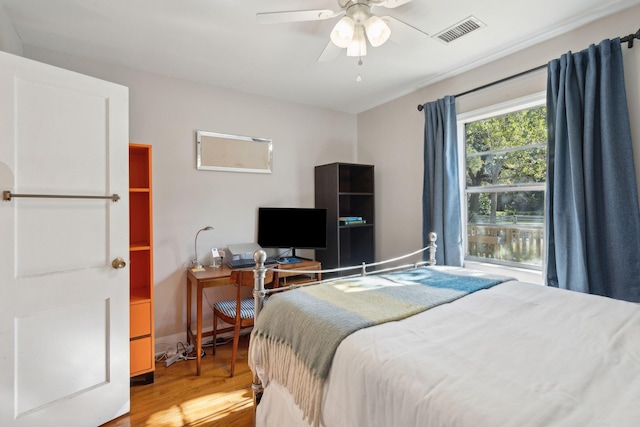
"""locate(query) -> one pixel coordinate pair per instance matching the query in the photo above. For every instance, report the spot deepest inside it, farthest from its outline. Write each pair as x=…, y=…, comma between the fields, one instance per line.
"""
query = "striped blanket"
x=296, y=335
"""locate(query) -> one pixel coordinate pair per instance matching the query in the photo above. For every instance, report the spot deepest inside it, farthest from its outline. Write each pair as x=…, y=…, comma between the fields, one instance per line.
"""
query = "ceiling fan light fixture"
x=358, y=45
x=378, y=31
x=342, y=33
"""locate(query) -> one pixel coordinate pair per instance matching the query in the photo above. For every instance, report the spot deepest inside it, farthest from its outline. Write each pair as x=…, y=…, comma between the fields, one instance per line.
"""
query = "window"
x=504, y=184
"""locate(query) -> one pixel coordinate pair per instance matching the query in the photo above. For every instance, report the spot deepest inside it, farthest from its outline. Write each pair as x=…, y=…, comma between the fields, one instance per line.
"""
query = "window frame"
x=522, y=103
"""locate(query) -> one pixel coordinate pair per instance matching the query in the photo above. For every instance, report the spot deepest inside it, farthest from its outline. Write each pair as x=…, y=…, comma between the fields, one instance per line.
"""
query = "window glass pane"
x=513, y=167
x=507, y=149
x=506, y=226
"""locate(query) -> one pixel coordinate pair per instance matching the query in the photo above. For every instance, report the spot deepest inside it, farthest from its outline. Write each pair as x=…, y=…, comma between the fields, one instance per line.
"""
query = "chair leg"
x=215, y=332
x=234, y=351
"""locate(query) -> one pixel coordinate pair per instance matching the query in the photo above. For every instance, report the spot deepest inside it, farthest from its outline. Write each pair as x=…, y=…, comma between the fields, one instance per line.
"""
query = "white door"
x=64, y=319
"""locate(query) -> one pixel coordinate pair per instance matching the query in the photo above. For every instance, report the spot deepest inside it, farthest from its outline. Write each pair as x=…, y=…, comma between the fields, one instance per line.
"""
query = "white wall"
x=166, y=113
x=391, y=136
x=9, y=40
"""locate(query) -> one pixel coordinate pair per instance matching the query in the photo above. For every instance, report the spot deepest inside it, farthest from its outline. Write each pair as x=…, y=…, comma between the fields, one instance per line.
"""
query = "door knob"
x=118, y=263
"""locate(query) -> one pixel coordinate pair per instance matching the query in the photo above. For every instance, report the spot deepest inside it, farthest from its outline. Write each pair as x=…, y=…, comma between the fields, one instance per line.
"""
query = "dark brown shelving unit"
x=346, y=190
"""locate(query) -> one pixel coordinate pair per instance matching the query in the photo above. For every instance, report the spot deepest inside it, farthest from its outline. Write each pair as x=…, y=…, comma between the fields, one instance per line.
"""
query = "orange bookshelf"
x=141, y=331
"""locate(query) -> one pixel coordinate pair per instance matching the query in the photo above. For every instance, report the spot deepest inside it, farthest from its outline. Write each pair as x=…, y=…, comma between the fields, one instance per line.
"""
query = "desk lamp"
x=196, y=265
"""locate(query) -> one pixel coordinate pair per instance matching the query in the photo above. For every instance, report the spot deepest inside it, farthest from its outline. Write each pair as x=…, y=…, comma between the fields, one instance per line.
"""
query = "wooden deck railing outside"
x=519, y=242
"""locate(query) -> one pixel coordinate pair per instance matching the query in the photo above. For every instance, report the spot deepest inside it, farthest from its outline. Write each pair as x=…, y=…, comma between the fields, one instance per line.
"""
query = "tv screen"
x=301, y=228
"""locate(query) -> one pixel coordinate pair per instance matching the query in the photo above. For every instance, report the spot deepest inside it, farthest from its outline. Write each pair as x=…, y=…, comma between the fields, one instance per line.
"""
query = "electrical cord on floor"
x=219, y=341
x=183, y=352
x=164, y=355
x=188, y=355
x=186, y=352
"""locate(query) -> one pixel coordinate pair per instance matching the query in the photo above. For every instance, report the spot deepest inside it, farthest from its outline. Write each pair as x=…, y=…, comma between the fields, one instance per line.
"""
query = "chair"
x=238, y=312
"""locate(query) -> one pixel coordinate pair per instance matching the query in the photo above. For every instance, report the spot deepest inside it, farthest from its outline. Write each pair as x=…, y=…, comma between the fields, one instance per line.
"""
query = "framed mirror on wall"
x=233, y=153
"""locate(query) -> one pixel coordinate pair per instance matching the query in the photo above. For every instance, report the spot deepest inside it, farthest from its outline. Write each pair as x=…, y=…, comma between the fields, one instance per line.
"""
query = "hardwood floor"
x=180, y=398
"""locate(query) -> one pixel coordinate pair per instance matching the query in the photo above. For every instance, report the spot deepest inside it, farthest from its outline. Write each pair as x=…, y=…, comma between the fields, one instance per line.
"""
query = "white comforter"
x=514, y=355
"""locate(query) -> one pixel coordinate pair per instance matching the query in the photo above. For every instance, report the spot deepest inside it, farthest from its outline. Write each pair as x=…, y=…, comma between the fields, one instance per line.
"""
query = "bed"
x=486, y=351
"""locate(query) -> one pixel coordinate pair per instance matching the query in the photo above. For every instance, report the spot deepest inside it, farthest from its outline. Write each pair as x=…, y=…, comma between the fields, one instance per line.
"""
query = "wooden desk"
x=208, y=278
x=220, y=276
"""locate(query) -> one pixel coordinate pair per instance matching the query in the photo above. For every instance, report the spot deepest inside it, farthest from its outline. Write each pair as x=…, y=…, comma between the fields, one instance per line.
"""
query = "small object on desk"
x=195, y=269
x=289, y=260
x=216, y=257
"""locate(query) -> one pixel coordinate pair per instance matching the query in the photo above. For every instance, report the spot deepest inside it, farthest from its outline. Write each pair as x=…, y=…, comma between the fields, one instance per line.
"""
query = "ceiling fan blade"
x=392, y=4
x=296, y=16
x=400, y=30
x=330, y=52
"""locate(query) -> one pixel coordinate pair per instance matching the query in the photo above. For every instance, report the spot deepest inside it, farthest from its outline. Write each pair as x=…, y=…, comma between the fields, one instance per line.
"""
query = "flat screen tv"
x=295, y=228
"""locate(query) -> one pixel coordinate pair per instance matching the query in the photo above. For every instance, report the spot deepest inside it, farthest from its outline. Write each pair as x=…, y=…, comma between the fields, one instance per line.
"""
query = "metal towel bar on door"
x=7, y=195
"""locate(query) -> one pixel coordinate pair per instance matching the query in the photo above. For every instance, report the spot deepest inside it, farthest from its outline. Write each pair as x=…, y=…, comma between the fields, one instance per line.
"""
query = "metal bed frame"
x=260, y=293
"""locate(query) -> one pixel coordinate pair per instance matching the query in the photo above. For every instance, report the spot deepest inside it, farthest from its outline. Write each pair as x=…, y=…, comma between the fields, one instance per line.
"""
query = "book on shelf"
x=350, y=218
x=353, y=221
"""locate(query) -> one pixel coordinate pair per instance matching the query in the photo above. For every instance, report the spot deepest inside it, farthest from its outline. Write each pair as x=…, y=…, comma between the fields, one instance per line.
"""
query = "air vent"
x=460, y=29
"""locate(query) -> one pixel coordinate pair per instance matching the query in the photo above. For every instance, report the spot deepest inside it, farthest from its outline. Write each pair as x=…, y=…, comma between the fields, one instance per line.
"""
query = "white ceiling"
x=220, y=42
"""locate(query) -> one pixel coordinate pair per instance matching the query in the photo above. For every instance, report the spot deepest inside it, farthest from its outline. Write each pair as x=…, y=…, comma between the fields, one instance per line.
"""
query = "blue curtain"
x=593, y=221
x=441, y=189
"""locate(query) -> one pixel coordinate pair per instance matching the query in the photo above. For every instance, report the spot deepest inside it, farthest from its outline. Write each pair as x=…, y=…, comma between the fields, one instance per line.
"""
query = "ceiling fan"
x=353, y=30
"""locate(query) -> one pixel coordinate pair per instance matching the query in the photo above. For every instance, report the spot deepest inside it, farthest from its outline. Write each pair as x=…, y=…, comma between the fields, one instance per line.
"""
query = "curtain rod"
x=626, y=39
